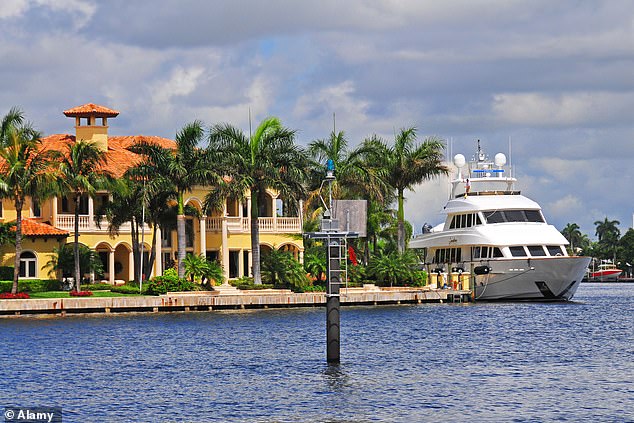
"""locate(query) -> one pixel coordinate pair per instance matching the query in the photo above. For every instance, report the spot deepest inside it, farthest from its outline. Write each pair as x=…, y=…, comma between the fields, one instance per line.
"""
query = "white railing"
x=67, y=222
x=266, y=224
x=288, y=224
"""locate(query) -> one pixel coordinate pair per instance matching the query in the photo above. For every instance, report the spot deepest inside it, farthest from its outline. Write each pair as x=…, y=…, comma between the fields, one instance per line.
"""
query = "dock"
x=228, y=299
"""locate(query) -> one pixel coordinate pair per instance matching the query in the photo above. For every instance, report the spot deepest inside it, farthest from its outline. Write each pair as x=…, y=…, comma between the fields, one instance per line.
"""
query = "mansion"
x=223, y=236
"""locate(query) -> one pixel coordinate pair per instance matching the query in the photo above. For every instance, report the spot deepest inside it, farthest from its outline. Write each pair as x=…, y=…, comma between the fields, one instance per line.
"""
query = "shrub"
x=6, y=273
x=80, y=293
x=18, y=296
x=32, y=285
x=97, y=287
x=169, y=282
x=126, y=289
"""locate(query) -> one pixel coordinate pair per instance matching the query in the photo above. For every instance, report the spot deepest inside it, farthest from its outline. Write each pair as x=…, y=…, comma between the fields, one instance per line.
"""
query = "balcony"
x=87, y=224
x=236, y=225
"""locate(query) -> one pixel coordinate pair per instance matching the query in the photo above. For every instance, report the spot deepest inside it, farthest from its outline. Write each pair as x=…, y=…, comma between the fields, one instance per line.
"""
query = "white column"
x=249, y=273
x=158, y=259
x=203, y=235
x=225, y=248
x=91, y=212
x=301, y=256
x=241, y=264
x=111, y=267
x=54, y=212
x=130, y=266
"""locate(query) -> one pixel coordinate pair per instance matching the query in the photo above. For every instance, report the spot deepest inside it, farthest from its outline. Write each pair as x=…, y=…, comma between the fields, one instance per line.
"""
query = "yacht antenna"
x=510, y=158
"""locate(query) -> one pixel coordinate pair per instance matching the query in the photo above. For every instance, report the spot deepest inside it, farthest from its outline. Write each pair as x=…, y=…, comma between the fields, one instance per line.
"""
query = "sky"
x=554, y=80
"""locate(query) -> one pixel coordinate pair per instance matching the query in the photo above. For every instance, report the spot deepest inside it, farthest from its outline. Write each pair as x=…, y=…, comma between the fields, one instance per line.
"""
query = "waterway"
x=431, y=362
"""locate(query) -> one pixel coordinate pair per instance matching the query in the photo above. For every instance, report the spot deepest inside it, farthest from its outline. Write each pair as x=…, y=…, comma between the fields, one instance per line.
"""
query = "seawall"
x=226, y=299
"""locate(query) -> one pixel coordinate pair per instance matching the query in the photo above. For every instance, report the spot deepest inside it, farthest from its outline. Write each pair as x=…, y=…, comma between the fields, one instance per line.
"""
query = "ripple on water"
x=478, y=362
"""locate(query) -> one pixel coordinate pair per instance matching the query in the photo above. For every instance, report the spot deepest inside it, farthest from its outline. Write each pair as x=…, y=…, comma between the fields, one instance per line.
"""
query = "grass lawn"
x=65, y=294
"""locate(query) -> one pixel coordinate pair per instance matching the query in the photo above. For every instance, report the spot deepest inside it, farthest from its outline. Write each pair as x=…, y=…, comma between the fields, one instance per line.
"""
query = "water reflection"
x=484, y=362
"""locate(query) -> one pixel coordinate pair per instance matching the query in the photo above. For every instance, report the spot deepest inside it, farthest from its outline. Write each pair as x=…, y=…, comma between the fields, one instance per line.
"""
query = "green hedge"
x=6, y=273
x=32, y=285
x=169, y=282
x=126, y=289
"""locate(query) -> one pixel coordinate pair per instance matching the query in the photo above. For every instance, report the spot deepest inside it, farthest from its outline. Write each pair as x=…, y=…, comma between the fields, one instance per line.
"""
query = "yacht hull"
x=543, y=279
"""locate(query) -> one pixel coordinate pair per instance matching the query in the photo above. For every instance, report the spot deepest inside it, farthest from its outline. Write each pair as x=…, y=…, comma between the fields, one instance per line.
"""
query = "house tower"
x=91, y=123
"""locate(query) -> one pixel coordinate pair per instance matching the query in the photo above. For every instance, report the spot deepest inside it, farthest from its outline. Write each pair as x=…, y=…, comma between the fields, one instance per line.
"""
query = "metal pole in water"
x=332, y=302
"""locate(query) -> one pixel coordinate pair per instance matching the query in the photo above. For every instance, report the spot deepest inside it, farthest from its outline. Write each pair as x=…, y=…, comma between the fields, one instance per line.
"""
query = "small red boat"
x=606, y=272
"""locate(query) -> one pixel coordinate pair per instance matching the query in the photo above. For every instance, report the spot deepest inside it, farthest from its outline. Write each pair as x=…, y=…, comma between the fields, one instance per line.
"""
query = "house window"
x=65, y=208
x=37, y=212
x=212, y=255
x=83, y=205
x=245, y=262
x=28, y=264
x=234, y=260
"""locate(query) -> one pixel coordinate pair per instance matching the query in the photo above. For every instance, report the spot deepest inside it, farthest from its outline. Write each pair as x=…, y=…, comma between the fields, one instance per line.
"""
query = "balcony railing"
x=67, y=222
x=266, y=224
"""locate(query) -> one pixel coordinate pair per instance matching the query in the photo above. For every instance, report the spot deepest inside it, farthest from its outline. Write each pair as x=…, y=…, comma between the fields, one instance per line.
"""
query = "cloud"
x=13, y=8
x=565, y=110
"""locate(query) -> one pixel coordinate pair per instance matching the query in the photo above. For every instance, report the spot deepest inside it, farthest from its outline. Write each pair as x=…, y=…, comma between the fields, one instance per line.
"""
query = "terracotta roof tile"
x=119, y=158
x=32, y=227
x=90, y=109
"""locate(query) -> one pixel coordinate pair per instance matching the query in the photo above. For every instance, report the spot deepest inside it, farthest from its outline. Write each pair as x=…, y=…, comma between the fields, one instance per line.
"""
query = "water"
x=436, y=362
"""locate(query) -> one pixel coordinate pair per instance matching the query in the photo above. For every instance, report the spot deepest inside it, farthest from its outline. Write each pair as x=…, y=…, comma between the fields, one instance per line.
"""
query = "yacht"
x=605, y=273
x=495, y=241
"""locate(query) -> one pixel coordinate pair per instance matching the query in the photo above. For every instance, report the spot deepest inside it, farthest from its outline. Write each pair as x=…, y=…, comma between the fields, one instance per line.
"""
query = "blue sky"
x=553, y=77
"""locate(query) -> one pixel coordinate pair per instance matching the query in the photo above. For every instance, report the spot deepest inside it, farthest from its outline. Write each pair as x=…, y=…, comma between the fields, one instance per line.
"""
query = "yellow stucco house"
x=223, y=236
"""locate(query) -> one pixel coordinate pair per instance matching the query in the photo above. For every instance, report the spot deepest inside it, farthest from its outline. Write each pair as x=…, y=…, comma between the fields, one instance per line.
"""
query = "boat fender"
x=482, y=270
x=439, y=270
x=458, y=270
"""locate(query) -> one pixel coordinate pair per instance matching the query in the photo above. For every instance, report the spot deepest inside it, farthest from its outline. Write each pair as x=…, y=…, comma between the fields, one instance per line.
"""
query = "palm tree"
x=184, y=167
x=25, y=171
x=268, y=158
x=355, y=176
x=574, y=236
x=407, y=164
x=82, y=173
x=608, y=233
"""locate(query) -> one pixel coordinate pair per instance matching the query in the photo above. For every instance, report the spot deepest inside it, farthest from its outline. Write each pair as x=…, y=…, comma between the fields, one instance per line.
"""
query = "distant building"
x=223, y=236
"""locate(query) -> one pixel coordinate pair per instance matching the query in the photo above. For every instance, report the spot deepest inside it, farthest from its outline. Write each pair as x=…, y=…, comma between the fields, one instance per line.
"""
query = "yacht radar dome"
x=459, y=160
x=499, y=160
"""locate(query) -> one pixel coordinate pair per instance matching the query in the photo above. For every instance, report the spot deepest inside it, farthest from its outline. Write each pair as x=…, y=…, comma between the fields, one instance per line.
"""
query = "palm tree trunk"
x=255, y=238
x=18, y=246
x=401, y=223
x=180, y=232
x=150, y=263
x=136, y=249
x=76, y=246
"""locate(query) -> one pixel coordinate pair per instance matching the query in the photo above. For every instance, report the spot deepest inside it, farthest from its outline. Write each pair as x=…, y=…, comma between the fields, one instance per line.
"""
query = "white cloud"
x=568, y=109
x=13, y=8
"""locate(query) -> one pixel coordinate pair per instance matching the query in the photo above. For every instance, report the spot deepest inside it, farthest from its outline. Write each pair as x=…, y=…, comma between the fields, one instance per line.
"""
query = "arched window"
x=28, y=265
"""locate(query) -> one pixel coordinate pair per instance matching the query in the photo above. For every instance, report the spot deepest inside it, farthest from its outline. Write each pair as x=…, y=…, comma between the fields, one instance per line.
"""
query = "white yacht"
x=496, y=242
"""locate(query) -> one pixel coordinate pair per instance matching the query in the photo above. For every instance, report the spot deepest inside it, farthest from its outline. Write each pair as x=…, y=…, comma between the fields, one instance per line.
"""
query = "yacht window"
x=475, y=252
x=536, y=250
x=497, y=252
x=495, y=217
x=453, y=222
x=469, y=220
x=515, y=216
x=478, y=221
x=555, y=250
x=448, y=255
x=517, y=251
x=534, y=216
